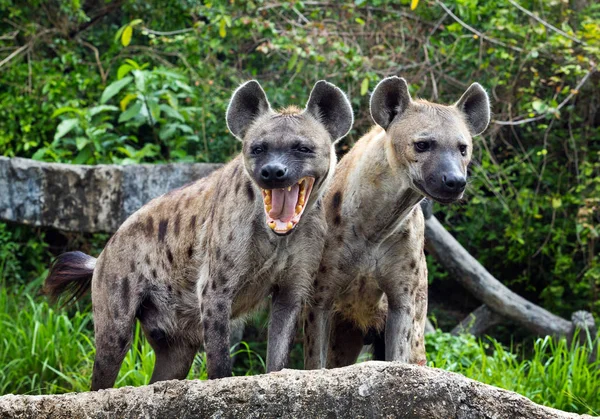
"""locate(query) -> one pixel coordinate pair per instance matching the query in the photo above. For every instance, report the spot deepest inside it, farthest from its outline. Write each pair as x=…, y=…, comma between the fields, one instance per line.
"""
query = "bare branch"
x=475, y=31
x=570, y=96
x=97, y=57
x=546, y=24
x=171, y=33
x=14, y=54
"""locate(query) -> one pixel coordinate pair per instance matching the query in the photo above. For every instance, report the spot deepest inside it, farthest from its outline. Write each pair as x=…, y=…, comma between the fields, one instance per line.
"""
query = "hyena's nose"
x=274, y=172
x=454, y=183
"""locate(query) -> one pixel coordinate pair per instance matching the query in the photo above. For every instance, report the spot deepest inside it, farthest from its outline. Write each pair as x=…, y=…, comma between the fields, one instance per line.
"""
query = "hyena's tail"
x=71, y=274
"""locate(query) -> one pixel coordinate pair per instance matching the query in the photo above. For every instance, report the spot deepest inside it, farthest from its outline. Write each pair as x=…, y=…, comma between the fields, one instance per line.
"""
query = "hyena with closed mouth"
x=189, y=261
x=372, y=280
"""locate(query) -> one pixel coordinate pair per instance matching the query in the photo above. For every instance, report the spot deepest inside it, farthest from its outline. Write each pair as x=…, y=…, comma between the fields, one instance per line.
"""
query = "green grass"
x=45, y=351
x=553, y=373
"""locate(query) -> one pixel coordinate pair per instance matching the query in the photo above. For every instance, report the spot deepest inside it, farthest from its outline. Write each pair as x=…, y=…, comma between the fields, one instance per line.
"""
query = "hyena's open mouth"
x=285, y=206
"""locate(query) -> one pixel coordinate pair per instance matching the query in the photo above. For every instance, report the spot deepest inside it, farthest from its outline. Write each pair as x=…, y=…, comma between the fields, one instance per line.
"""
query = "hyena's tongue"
x=284, y=203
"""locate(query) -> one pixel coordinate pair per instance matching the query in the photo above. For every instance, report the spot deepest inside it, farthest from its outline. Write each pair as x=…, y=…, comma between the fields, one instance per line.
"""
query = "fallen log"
x=370, y=389
x=490, y=291
x=477, y=322
x=85, y=199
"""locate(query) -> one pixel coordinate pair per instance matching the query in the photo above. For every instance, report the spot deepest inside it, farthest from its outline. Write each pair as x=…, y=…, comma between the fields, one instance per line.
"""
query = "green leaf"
x=135, y=22
x=83, y=156
x=140, y=80
x=38, y=155
x=222, y=29
x=66, y=109
x=123, y=70
x=130, y=113
x=120, y=32
x=133, y=63
x=556, y=203
x=171, y=113
x=364, y=86
x=65, y=127
x=414, y=4
x=114, y=88
x=154, y=108
x=539, y=106
x=167, y=131
x=126, y=37
x=81, y=142
x=125, y=101
x=292, y=62
x=102, y=108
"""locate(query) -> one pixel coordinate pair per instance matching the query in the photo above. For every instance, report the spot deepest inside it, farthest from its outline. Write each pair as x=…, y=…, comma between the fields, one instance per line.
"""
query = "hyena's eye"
x=304, y=150
x=463, y=149
x=422, y=146
x=257, y=150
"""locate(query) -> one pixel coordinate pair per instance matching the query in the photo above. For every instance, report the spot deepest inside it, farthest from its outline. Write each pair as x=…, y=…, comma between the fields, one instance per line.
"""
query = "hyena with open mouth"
x=372, y=282
x=190, y=261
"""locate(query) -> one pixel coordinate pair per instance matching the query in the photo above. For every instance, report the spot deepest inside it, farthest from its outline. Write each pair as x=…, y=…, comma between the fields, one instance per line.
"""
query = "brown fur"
x=191, y=261
x=372, y=280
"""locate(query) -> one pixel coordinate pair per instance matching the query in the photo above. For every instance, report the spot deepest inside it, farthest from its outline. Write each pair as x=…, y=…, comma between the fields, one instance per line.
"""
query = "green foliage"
x=555, y=373
x=23, y=255
x=44, y=351
x=149, y=82
x=150, y=115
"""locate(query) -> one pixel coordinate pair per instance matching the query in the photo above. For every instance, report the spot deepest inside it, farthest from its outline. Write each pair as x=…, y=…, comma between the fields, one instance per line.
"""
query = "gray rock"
x=367, y=390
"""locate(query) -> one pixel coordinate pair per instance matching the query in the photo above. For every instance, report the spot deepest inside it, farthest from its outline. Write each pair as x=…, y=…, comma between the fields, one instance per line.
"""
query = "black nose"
x=274, y=172
x=454, y=183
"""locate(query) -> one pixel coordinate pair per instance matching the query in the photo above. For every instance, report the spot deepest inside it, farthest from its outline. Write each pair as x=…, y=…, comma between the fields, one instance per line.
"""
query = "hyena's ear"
x=330, y=106
x=389, y=99
x=475, y=104
x=247, y=103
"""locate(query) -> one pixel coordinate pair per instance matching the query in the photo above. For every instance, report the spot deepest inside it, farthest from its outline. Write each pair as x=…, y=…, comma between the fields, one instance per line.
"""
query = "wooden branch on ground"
x=477, y=322
x=487, y=289
x=370, y=389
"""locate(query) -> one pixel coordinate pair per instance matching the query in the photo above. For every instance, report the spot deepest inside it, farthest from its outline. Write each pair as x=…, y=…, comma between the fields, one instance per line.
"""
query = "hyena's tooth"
x=268, y=199
x=301, y=200
x=290, y=225
x=269, y=208
x=289, y=188
x=272, y=224
x=298, y=208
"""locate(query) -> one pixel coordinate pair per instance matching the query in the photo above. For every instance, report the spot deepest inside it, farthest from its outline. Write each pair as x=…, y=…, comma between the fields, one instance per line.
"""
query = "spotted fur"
x=372, y=282
x=190, y=262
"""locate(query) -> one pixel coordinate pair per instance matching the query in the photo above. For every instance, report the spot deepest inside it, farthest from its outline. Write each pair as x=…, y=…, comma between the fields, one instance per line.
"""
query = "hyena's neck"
x=378, y=188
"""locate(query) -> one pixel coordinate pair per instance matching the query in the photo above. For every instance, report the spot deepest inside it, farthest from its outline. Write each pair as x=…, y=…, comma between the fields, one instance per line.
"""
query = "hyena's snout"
x=273, y=173
x=284, y=206
x=446, y=182
x=284, y=194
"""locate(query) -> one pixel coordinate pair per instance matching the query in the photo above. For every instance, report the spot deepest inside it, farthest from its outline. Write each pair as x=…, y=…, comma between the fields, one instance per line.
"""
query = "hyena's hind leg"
x=115, y=304
x=345, y=343
x=174, y=356
x=173, y=361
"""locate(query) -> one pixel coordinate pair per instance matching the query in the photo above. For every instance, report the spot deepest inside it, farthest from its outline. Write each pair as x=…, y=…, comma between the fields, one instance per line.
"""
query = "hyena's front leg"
x=398, y=326
x=316, y=336
x=286, y=302
x=216, y=314
x=418, y=355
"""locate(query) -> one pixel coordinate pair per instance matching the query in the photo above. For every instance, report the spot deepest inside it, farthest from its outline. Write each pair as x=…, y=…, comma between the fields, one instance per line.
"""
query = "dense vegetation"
x=148, y=81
